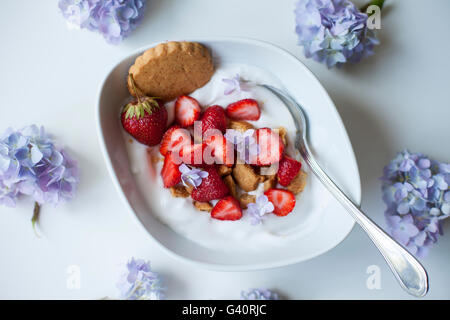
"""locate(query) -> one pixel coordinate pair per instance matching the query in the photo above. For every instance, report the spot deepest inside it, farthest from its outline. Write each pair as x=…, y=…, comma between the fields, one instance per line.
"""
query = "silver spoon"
x=409, y=272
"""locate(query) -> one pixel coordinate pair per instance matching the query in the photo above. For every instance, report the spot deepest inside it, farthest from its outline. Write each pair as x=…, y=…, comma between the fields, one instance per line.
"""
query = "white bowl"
x=328, y=138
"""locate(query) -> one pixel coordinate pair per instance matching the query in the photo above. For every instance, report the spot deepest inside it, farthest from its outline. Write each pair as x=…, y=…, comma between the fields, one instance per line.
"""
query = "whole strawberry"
x=145, y=119
x=211, y=188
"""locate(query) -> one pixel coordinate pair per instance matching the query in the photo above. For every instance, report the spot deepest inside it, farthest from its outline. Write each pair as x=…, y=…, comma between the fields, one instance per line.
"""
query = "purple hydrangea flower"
x=114, y=19
x=139, y=282
x=333, y=31
x=244, y=143
x=77, y=12
x=192, y=177
x=8, y=194
x=417, y=194
x=259, y=294
x=31, y=164
x=258, y=209
x=235, y=84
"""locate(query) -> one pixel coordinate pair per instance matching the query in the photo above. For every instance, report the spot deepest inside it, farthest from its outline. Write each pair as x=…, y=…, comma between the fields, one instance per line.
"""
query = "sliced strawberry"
x=214, y=118
x=211, y=188
x=282, y=200
x=187, y=110
x=170, y=173
x=220, y=149
x=174, y=139
x=193, y=154
x=270, y=147
x=246, y=109
x=287, y=170
x=227, y=209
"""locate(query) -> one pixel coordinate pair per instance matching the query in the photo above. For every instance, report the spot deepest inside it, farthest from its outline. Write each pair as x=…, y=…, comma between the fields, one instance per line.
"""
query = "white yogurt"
x=180, y=214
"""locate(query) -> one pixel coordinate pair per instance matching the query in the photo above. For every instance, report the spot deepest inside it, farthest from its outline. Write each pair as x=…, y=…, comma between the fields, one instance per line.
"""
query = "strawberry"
x=220, y=150
x=214, y=118
x=174, y=139
x=170, y=173
x=187, y=110
x=211, y=188
x=227, y=209
x=246, y=109
x=145, y=119
x=270, y=147
x=193, y=155
x=282, y=200
x=287, y=170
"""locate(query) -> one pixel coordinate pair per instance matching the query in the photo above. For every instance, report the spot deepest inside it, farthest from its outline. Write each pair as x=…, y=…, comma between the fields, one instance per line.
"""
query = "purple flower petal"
x=416, y=192
x=115, y=20
x=333, y=31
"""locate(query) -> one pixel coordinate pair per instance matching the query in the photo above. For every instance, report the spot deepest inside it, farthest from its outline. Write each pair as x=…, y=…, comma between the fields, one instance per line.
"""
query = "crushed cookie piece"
x=245, y=177
x=261, y=178
x=271, y=182
x=229, y=181
x=245, y=199
x=203, y=206
x=298, y=183
x=283, y=135
x=179, y=191
x=241, y=126
x=156, y=159
x=189, y=188
x=224, y=170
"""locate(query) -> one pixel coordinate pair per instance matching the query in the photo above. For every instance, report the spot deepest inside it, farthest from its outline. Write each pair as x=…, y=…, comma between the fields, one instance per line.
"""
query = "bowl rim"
x=113, y=176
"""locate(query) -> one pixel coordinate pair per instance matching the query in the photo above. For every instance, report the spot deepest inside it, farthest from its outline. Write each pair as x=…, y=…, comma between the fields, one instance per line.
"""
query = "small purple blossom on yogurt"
x=259, y=209
x=235, y=84
x=192, y=177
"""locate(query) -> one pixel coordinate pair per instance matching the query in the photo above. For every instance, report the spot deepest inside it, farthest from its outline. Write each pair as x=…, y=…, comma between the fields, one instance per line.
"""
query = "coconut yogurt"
x=180, y=214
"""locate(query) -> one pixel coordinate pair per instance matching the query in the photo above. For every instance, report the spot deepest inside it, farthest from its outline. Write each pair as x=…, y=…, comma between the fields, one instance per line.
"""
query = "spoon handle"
x=408, y=271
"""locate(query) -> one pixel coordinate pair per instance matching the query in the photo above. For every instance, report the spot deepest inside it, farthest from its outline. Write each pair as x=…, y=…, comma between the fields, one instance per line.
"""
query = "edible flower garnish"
x=235, y=84
x=258, y=209
x=192, y=177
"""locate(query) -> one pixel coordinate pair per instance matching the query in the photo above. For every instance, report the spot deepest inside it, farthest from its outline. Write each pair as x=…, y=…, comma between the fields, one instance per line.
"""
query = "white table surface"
x=49, y=75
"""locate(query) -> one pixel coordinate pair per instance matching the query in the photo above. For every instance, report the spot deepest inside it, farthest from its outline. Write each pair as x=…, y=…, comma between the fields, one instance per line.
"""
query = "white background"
x=49, y=75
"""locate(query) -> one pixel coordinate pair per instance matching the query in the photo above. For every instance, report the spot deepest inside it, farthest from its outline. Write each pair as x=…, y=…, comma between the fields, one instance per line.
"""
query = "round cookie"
x=172, y=69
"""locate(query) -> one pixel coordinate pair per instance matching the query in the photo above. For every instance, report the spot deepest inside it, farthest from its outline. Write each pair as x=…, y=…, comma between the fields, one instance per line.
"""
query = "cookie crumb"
x=224, y=170
x=229, y=181
x=283, y=135
x=179, y=191
x=298, y=183
x=189, y=188
x=245, y=177
x=203, y=206
x=241, y=126
x=156, y=159
x=271, y=182
x=245, y=199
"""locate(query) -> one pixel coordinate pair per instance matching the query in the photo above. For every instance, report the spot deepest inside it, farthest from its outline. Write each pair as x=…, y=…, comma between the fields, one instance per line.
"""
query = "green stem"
x=35, y=218
x=378, y=3
x=133, y=84
x=136, y=288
